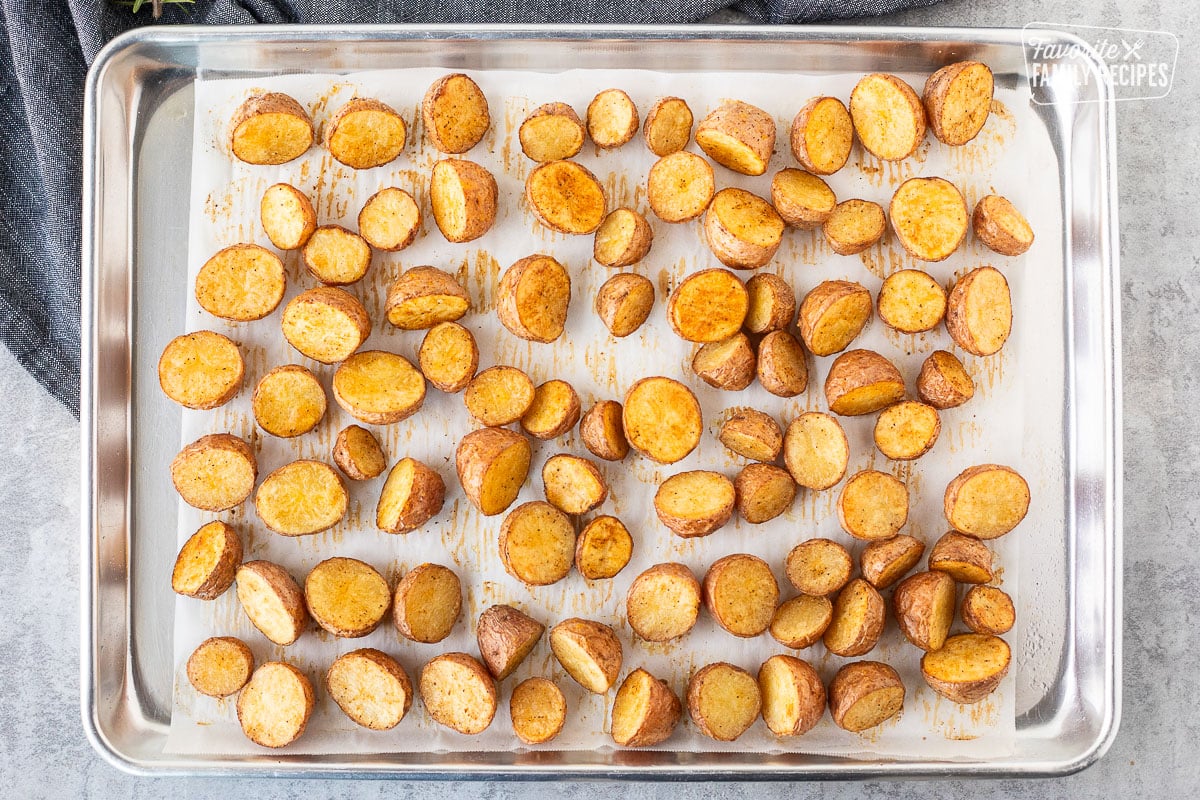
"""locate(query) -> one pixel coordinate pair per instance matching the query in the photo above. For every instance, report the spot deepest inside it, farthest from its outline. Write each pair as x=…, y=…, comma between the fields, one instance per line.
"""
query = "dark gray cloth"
x=43, y=61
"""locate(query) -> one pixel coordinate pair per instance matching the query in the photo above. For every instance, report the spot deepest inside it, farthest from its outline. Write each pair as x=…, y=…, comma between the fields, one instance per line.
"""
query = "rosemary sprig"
x=156, y=5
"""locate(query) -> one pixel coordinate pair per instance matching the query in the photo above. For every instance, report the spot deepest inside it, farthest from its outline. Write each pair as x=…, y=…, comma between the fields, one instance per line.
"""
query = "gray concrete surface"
x=43, y=752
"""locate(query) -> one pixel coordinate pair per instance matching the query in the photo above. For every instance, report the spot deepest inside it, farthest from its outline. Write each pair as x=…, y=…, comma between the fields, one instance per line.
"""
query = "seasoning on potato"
x=275, y=705
x=347, y=597
x=986, y=501
x=943, y=382
x=832, y=316
x=801, y=621
x=668, y=126
x=782, y=367
x=887, y=115
x=723, y=701
x=573, y=484
x=728, y=365
x=873, y=505
x=979, y=311
x=288, y=401
x=554, y=411
x=449, y=356
x=907, y=430
x=537, y=544
x=357, y=453
x=772, y=303
x=865, y=694
x=458, y=692
x=370, y=687
x=662, y=419
x=624, y=303
x=963, y=558
x=241, y=283
x=645, y=711
x=272, y=601
x=680, y=187
x=390, y=219
x=424, y=297
x=958, y=99
x=551, y=132
x=220, y=666
x=968, y=667
x=215, y=472
x=411, y=496
x=201, y=370
x=818, y=567
x=427, y=603
x=287, y=215
x=365, y=133
x=911, y=301
x=603, y=548
x=499, y=395
x=708, y=306
x=802, y=199
x=924, y=608
x=336, y=256
x=821, y=135
x=378, y=388
x=492, y=464
x=663, y=603
x=623, y=239
x=986, y=609
x=858, y=617
x=589, y=651
x=532, y=298
x=738, y=136
x=455, y=113
x=463, y=196
x=862, y=382
x=742, y=229
x=538, y=710
x=270, y=128
x=929, y=216
x=853, y=226
x=506, y=636
x=1000, y=226
x=740, y=593
x=752, y=434
x=602, y=431
x=695, y=503
x=206, y=563
x=326, y=324
x=885, y=561
x=612, y=118
x=566, y=197
x=301, y=498
x=816, y=451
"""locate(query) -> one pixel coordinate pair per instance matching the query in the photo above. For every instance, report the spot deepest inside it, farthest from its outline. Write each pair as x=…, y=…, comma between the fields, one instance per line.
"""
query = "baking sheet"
x=224, y=203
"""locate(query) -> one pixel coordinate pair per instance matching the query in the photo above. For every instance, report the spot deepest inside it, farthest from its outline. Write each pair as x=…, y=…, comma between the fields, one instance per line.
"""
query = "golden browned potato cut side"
x=270, y=128
x=821, y=135
x=275, y=705
x=668, y=126
x=365, y=133
x=347, y=597
x=220, y=666
x=201, y=370
x=215, y=472
x=888, y=116
x=326, y=324
x=427, y=603
x=455, y=113
x=241, y=283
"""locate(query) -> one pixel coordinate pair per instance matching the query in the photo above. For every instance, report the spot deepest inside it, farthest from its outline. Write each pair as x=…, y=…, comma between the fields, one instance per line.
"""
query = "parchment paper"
x=224, y=201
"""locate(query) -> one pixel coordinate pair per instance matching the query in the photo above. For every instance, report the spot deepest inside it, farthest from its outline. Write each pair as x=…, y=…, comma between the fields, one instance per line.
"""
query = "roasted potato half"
x=818, y=567
x=287, y=215
x=911, y=301
x=378, y=388
x=220, y=666
x=924, y=607
x=499, y=395
x=538, y=710
x=301, y=498
x=986, y=501
x=573, y=484
x=832, y=316
x=772, y=304
x=624, y=302
x=663, y=602
x=853, y=226
x=455, y=113
x=623, y=239
x=390, y=219
x=862, y=382
x=449, y=356
x=886, y=561
x=680, y=186
x=821, y=135
x=603, y=548
x=999, y=225
x=979, y=311
x=645, y=711
x=968, y=667
x=782, y=367
x=858, y=616
x=326, y=324
x=458, y=692
x=708, y=306
x=986, y=609
x=907, y=430
x=793, y=697
x=370, y=687
x=865, y=694
x=274, y=707
x=662, y=419
x=566, y=197
x=427, y=604
x=492, y=464
x=207, y=562
x=752, y=434
x=802, y=199
x=241, y=283
x=365, y=133
x=411, y=496
x=873, y=505
x=763, y=491
x=603, y=431
x=288, y=401
x=272, y=600
x=668, y=126
x=336, y=256
x=532, y=298
x=554, y=411
x=816, y=451
x=357, y=453
x=695, y=503
x=801, y=621
x=958, y=99
x=589, y=651
x=943, y=382
x=929, y=216
x=424, y=297
x=888, y=116
x=215, y=472
x=728, y=365
x=270, y=128
x=463, y=196
x=506, y=636
x=612, y=119
x=347, y=597
x=738, y=136
x=740, y=593
x=537, y=544
x=723, y=700
x=201, y=370
x=552, y=132
x=743, y=230
x=963, y=558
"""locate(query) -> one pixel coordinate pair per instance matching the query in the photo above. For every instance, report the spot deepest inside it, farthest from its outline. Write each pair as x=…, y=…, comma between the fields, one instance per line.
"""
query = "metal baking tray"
x=138, y=124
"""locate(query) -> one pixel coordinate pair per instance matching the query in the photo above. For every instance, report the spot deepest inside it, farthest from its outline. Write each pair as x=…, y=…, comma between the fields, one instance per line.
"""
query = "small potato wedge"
x=537, y=544
x=589, y=651
x=888, y=116
x=573, y=484
x=206, y=563
x=986, y=501
x=603, y=431
x=752, y=434
x=505, y=637
x=924, y=607
x=270, y=128
x=603, y=548
x=662, y=419
x=357, y=453
x=782, y=367
x=623, y=303
x=772, y=304
x=274, y=707
x=911, y=301
x=412, y=495
x=865, y=694
x=763, y=492
x=455, y=113
x=287, y=215
x=958, y=99
x=801, y=621
x=821, y=135
x=740, y=593
x=378, y=388
x=668, y=126
x=492, y=465
x=499, y=395
x=241, y=283
x=612, y=119
x=858, y=616
x=743, y=230
x=458, y=692
x=463, y=197
x=365, y=133
x=723, y=700
x=943, y=382
x=552, y=132
x=427, y=603
x=272, y=600
x=999, y=225
x=963, y=558
x=907, y=430
x=663, y=602
x=738, y=136
x=301, y=498
x=885, y=562
x=802, y=199
x=538, y=710
x=816, y=451
x=623, y=239
x=986, y=609
x=793, y=697
x=554, y=411
x=566, y=197
x=532, y=298
x=979, y=311
x=873, y=505
x=832, y=316
x=220, y=666
x=449, y=356
x=968, y=667
x=680, y=186
x=390, y=220
x=728, y=365
x=326, y=324
x=336, y=256
x=288, y=401
x=370, y=687
x=424, y=297
x=853, y=226
x=201, y=370
x=215, y=472
x=818, y=567
x=695, y=503
x=862, y=382
x=347, y=597
x=645, y=711
x=708, y=306
x=929, y=216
